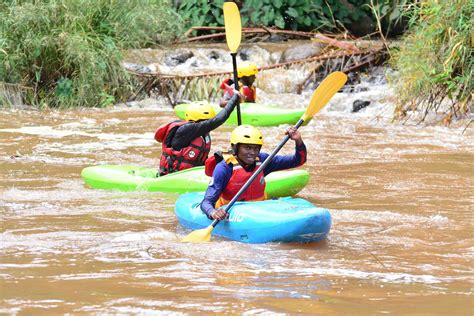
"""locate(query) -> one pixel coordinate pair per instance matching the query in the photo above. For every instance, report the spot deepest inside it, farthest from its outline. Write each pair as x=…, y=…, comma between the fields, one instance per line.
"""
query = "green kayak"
x=255, y=114
x=136, y=178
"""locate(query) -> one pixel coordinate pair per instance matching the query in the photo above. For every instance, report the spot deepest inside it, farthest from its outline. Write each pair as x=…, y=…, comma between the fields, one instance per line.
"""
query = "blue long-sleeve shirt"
x=223, y=172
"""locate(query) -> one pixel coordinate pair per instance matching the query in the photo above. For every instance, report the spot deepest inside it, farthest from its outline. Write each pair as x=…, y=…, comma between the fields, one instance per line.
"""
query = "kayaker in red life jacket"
x=246, y=73
x=236, y=167
x=186, y=144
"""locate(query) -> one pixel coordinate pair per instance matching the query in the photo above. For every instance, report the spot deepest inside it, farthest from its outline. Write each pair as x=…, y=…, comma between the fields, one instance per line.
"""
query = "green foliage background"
x=69, y=51
x=436, y=57
x=303, y=15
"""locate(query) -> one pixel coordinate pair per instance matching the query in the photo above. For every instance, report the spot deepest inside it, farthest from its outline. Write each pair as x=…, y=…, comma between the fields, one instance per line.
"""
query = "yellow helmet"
x=199, y=111
x=246, y=69
x=246, y=134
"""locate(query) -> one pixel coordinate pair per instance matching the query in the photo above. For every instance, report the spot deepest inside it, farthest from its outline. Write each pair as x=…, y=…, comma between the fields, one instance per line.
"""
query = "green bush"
x=199, y=13
x=435, y=59
x=303, y=15
x=285, y=14
x=69, y=51
x=292, y=14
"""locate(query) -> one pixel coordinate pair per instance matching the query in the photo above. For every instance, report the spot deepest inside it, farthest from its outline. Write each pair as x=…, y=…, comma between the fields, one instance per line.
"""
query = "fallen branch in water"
x=467, y=126
x=256, y=30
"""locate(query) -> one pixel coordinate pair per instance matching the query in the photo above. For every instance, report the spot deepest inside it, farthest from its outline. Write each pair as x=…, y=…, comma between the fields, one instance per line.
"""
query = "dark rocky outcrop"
x=177, y=57
x=359, y=105
x=214, y=55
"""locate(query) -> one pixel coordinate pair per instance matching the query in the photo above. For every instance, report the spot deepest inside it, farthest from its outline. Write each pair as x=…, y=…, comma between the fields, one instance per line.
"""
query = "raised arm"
x=188, y=132
x=282, y=162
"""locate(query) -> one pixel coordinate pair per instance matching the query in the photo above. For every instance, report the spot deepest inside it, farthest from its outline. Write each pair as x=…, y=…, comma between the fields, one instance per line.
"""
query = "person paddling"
x=186, y=144
x=246, y=73
x=237, y=166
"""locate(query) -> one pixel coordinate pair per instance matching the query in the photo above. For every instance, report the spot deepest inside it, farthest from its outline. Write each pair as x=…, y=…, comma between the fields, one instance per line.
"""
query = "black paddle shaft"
x=236, y=83
x=256, y=173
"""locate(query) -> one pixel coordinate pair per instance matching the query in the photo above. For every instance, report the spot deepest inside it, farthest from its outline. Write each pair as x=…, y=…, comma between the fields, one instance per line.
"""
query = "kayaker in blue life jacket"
x=186, y=144
x=246, y=73
x=237, y=166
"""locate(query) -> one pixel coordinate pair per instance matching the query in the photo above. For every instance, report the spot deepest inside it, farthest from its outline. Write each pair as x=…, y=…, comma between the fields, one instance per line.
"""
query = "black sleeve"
x=185, y=134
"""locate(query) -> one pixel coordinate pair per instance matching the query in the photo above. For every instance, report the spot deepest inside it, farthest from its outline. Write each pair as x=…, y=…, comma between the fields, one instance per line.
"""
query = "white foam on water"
x=11, y=310
x=389, y=217
x=119, y=143
x=54, y=242
x=59, y=133
x=74, y=189
x=41, y=304
x=84, y=122
x=146, y=236
x=22, y=265
x=44, y=131
x=85, y=276
x=388, y=277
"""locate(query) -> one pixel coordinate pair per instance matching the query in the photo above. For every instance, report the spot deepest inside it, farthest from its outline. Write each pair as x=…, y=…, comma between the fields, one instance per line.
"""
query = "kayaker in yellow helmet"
x=236, y=167
x=186, y=144
x=246, y=72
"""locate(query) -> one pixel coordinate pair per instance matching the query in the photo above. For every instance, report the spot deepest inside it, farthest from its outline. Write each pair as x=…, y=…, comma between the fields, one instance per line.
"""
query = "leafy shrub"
x=302, y=15
x=69, y=51
x=291, y=14
x=436, y=58
x=199, y=13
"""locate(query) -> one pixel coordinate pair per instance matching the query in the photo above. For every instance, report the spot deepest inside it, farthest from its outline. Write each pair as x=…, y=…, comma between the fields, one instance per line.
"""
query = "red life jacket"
x=226, y=85
x=256, y=190
x=175, y=160
x=210, y=164
x=250, y=93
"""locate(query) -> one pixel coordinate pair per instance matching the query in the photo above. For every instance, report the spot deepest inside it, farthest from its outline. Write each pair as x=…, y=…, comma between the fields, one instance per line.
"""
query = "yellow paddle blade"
x=325, y=91
x=200, y=235
x=233, y=28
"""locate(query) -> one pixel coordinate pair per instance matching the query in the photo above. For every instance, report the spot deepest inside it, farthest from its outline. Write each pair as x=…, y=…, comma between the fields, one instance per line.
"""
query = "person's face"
x=247, y=153
x=248, y=80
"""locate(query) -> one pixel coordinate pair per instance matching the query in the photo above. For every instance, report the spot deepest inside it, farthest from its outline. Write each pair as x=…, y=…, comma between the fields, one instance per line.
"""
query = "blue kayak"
x=281, y=220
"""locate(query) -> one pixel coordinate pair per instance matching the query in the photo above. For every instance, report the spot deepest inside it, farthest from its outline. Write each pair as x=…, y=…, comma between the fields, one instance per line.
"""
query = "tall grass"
x=436, y=59
x=69, y=51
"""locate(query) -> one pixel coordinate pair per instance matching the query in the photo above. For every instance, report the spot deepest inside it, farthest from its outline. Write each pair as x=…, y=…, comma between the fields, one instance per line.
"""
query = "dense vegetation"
x=436, y=59
x=68, y=52
x=304, y=15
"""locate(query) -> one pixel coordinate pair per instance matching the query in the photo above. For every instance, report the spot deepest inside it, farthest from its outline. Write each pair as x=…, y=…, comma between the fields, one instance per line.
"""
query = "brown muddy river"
x=401, y=198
